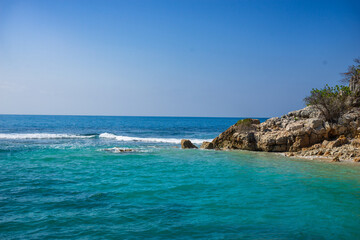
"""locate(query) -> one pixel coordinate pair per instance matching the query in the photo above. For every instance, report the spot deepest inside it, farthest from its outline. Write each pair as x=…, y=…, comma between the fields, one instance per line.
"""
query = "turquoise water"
x=58, y=182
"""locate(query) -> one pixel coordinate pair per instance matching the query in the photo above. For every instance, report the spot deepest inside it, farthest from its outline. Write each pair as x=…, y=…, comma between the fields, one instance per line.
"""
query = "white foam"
x=41, y=136
x=151, y=140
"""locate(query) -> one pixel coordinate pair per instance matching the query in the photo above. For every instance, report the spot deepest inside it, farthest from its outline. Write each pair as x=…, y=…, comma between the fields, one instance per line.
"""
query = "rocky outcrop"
x=186, y=143
x=207, y=145
x=298, y=132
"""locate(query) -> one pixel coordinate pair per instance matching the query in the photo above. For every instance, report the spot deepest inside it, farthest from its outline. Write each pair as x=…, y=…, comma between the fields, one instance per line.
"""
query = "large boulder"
x=186, y=143
x=307, y=112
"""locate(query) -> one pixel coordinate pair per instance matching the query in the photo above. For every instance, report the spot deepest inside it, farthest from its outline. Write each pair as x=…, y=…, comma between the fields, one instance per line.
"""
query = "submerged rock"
x=207, y=145
x=118, y=150
x=186, y=143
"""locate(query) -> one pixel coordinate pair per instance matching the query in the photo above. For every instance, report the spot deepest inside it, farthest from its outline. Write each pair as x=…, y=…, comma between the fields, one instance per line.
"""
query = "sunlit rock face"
x=295, y=132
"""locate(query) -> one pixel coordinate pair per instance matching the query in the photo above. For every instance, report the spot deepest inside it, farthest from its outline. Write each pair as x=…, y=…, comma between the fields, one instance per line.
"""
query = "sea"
x=69, y=177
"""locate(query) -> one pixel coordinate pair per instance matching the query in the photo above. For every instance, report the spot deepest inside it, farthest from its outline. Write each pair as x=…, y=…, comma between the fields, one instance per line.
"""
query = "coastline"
x=298, y=157
x=304, y=133
x=319, y=159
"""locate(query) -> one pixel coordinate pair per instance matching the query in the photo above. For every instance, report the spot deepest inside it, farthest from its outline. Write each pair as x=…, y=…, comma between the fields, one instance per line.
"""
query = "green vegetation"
x=331, y=101
x=339, y=91
x=334, y=101
x=246, y=121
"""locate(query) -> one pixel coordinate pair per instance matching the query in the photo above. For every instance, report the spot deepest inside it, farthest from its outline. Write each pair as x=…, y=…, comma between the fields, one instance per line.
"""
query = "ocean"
x=62, y=177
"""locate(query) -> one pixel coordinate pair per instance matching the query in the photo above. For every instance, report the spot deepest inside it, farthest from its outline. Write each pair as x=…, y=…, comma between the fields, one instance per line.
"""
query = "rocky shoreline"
x=303, y=133
x=328, y=128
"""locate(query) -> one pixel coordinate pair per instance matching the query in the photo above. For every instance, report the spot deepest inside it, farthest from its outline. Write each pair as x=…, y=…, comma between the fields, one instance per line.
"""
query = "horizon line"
x=90, y=115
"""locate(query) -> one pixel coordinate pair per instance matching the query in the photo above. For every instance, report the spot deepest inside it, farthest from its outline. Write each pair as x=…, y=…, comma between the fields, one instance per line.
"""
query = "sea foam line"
x=151, y=140
x=42, y=136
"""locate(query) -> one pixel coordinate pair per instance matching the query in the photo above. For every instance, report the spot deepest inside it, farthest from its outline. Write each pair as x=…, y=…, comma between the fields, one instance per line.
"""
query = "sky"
x=172, y=58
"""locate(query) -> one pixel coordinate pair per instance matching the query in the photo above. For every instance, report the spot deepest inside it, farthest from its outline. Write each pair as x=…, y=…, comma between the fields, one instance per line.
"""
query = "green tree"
x=330, y=101
x=352, y=72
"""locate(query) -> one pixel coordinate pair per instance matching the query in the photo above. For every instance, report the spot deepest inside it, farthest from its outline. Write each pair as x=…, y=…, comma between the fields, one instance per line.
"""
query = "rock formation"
x=300, y=133
x=186, y=143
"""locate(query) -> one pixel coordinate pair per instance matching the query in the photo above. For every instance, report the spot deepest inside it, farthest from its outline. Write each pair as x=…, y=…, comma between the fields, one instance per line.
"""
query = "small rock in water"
x=117, y=149
x=289, y=154
x=186, y=143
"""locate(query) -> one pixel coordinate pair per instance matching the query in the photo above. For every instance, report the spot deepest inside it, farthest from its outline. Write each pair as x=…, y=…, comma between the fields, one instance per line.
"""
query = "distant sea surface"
x=63, y=177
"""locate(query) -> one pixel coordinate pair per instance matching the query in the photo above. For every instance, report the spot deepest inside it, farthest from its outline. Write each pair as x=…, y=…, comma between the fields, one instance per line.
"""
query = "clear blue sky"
x=172, y=57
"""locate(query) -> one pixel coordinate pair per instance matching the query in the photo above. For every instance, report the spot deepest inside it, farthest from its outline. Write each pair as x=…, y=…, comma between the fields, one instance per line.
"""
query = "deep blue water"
x=58, y=182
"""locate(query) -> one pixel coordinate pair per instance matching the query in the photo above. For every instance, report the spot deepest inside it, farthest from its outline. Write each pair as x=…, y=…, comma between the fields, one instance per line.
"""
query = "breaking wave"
x=15, y=136
x=42, y=136
x=152, y=140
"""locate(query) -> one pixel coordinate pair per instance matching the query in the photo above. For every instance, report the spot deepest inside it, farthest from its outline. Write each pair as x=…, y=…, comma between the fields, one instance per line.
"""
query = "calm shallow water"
x=56, y=181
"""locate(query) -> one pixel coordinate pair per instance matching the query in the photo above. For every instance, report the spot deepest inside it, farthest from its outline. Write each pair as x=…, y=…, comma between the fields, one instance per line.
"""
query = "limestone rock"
x=186, y=143
x=207, y=145
x=314, y=123
x=294, y=126
x=308, y=112
x=338, y=142
x=303, y=132
x=325, y=143
x=355, y=142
